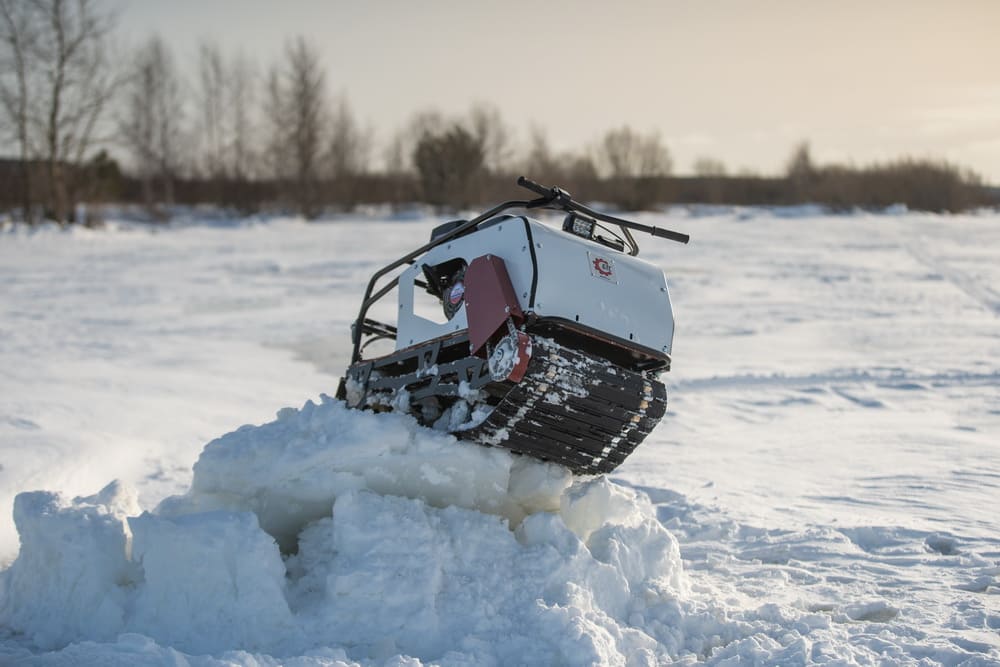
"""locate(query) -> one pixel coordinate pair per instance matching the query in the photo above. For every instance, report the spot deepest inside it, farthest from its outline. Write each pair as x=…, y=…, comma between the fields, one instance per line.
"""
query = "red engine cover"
x=489, y=300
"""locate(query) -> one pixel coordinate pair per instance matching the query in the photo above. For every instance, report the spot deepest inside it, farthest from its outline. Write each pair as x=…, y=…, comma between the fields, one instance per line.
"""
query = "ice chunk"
x=212, y=581
x=69, y=577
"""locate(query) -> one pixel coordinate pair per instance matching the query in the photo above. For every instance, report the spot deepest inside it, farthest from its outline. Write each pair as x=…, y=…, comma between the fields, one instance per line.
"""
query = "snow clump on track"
x=342, y=537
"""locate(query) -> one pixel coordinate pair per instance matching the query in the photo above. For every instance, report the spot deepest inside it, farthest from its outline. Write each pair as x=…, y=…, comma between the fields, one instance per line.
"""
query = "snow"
x=290, y=471
x=74, y=553
x=822, y=490
x=419, y=564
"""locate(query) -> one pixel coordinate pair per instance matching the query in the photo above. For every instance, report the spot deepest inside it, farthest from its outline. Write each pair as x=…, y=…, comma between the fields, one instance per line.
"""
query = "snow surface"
x=823, y=489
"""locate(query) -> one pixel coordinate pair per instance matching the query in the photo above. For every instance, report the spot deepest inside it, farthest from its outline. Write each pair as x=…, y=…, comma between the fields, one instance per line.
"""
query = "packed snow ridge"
x=341, y=536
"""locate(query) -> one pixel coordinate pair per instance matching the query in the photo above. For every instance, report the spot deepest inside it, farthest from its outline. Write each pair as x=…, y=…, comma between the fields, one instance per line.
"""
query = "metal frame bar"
x=370, y=299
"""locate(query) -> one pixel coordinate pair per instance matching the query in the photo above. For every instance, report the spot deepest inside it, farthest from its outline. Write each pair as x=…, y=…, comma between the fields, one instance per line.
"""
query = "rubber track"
x=574, y=409
x=571, y=408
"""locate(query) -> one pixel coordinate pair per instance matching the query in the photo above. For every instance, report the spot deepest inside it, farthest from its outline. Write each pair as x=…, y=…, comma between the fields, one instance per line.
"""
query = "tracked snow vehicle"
x=513, y=333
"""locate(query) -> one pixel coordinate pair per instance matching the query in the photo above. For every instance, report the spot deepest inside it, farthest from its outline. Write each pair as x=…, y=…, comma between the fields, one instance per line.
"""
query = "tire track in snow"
x=972, y=288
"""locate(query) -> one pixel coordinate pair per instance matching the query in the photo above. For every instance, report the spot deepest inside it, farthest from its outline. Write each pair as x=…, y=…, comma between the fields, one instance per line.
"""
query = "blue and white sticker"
x=457, y=292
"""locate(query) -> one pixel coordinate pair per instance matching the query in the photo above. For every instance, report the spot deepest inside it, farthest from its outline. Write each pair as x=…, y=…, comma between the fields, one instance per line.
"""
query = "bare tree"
x=493, y=135
x=636, y=165
x=242, y=92
x=297, y=113
x=306, y=90
x=349, y=154
x=712, y=175
x=151, y=125
x=567, y=169
x=624, y=153
x=427, y=121
x=578, y=168
x=398, y=154
x=225, y=128
x=801, y=172
x=397, y=158
x=708, y=167
x=450, y=165
x=540, y=163
x=76, y=82
x=394, y=154
x=800, y=162
x=277, y=149
x=350, y=146
x=212, y=80
x=17, y=34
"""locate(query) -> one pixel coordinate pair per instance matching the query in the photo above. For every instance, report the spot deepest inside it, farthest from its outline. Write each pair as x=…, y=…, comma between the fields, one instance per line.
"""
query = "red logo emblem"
x=602, y=267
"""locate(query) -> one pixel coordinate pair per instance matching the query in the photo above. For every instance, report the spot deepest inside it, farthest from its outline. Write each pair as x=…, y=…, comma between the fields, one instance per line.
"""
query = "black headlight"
x=580, y=225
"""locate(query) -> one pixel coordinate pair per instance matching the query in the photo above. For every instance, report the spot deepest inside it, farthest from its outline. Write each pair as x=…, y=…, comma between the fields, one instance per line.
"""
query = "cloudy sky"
x=740, y=81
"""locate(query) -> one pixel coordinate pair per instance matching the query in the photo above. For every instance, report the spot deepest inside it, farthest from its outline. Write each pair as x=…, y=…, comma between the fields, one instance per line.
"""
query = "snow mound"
x=70, y=577
x=395, y=542
x=289, y=472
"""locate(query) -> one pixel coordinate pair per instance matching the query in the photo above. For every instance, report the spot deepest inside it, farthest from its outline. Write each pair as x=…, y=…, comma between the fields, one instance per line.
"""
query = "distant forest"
x=89, y=125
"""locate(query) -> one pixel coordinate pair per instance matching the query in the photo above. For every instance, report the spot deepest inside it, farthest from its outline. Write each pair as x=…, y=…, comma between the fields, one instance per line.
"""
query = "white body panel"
x=633, y=303
x=577, y=280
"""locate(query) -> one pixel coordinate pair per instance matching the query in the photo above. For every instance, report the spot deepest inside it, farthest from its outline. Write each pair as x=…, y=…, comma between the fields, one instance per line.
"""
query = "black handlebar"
x=670, y=234
x=534, y=187
x=559, y=198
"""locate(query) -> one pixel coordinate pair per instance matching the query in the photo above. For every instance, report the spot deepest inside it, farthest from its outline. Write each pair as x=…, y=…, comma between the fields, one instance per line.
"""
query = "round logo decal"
x=602, y=266
x=457, y=292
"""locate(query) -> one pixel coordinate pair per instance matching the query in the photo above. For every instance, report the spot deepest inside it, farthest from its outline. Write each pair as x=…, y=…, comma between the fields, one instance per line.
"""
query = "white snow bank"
x=70, y=577
x=399, y=540
x=289, y=472
x=210, y=581
x=413, y=579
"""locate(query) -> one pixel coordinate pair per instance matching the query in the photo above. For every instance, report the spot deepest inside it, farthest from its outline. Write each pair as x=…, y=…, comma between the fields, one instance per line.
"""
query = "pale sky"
x=739, y=81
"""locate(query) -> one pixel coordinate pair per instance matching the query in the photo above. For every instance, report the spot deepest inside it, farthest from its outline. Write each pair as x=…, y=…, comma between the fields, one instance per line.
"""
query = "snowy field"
x=825, y=487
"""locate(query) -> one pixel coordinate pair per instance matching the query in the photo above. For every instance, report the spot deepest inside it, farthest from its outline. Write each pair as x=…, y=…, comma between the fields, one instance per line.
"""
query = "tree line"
x=75, y=110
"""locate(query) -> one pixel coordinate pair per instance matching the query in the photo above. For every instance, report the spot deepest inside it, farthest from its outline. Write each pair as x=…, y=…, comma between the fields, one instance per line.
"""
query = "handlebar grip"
x=534, y=187
x=667, y=234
